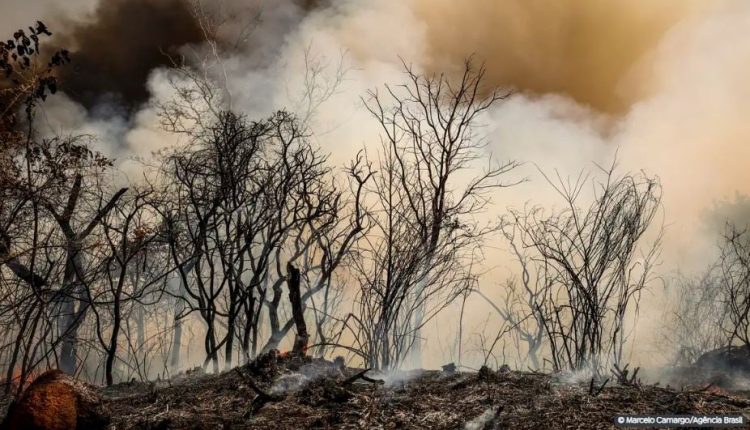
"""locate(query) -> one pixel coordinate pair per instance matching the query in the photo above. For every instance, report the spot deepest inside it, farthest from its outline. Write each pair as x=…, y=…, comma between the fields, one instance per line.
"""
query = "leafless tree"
x=66, y=213
x=713, y=309
x=321, y=247
x=699, y=320
x=425, y=236
x=257, y=193
x=734, y=272
x=388, y=274
x=594, y=265
x=206, y=221
x=134, y=268
x=27, y=262
x=524, y=298
x=247, y=189
x=88, y=271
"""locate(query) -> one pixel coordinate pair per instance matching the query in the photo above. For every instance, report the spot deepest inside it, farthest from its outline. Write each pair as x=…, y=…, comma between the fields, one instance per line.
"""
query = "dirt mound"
x=735, y=359
x=726, y=369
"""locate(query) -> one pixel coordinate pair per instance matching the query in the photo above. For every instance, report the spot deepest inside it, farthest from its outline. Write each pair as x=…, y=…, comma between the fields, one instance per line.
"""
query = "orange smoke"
x=586, y=49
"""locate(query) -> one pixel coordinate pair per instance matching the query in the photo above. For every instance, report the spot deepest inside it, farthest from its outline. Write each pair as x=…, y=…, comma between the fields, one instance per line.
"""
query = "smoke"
x=661, y=84
x=115, y=48
x=116, y=44
x=693, y=131
x=735, y=211
x=482, y=420
x=586, y=49
x=22, y=13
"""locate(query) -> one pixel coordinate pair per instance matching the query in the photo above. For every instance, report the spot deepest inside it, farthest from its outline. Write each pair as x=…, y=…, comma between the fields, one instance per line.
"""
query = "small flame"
x=715, y=390
x=17, y=375
x=286, y=354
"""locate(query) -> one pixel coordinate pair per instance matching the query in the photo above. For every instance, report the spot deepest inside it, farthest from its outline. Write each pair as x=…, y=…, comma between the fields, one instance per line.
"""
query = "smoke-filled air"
x=325, y=206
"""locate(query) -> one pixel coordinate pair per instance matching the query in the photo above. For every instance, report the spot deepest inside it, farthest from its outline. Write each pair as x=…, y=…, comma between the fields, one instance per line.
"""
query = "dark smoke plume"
x=113, y=54
x=114, y=51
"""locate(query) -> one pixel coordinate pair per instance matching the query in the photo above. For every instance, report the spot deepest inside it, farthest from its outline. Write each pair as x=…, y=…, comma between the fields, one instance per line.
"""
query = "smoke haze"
x=662, y=84
x=586, y=49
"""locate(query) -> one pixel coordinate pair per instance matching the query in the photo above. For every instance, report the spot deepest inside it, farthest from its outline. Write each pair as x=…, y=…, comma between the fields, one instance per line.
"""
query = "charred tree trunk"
x=177, y=339
x=295, y=298
x=116, y=321
x=70, y=316
x=231, y=322
x=179, y=309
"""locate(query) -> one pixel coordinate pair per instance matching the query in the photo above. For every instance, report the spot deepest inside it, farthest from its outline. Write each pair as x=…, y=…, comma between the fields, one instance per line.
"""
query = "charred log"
x=262, y=398
x=57, y=401
x=363, y=376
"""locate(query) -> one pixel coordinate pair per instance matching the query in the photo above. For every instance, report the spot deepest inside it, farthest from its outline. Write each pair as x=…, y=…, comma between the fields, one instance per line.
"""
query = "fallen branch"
x=595, y=391
x=623, y=377
x=361, y=375
x=262, y=397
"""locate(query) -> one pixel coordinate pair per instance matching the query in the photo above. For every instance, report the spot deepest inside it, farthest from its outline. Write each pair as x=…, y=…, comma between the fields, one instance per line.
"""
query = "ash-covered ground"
x=305, y=393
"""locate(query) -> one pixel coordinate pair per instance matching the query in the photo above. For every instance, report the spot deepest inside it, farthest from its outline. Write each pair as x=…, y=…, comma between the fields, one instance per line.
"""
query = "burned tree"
x=594, y=265
x=26, y=79
x=734, y=273
x=320, y=245
x=420, y=255
x=49, y=189
x=61, y=264
x=295, y=299
x=712, y=313
x=206, y=219
x=248, y=196
x=73, y=297
x=134, y=268
x=244, y=191
x=700, y=318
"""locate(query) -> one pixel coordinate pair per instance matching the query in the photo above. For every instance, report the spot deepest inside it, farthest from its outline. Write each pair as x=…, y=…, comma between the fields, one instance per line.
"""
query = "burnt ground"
x=302, y=393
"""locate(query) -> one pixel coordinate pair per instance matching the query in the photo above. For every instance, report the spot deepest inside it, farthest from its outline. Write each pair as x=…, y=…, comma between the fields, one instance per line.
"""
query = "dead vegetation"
x=295, y=392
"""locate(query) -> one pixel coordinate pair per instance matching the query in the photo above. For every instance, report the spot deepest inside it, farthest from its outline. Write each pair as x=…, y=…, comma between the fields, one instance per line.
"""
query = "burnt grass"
x=332, y=397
